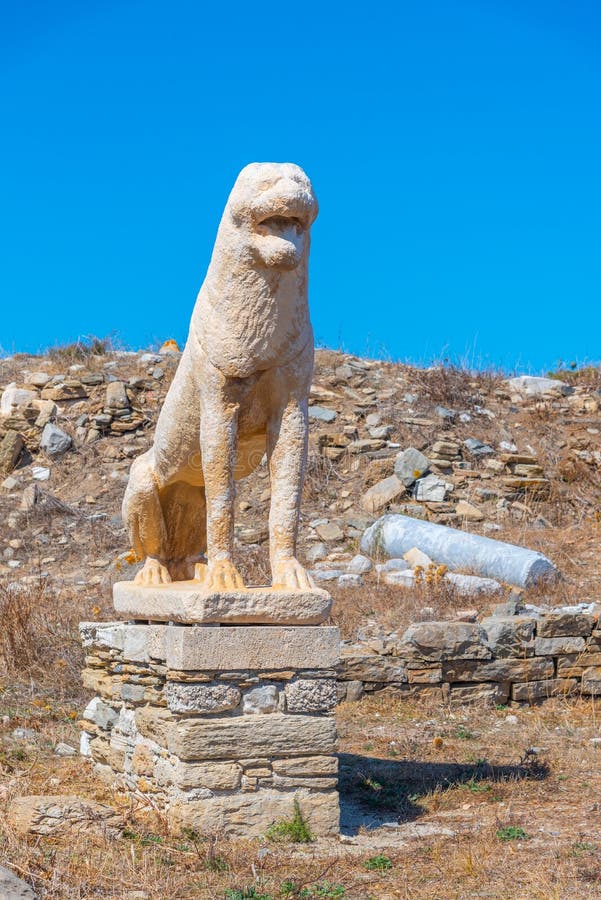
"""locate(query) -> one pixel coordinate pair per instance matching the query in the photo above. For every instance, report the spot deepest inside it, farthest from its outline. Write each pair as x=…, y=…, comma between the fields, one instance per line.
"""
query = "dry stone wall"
x=225, y=727
x=521, y=655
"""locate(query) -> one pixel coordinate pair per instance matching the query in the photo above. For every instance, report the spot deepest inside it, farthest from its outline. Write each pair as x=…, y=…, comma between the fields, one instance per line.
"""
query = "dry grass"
x=454, y=385
x=468, y=770
x=39, y=640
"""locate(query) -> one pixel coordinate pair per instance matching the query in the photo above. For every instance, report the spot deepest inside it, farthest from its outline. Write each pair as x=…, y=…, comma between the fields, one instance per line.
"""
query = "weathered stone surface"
x=284, y=782
x=54, y=441
x=531, y=669
x=410, y=465
x=13, y=888
x=469, y=511
x=116, y=396
x=252, y=647
x=109, y=635
x=563, y=624
x=311, y=695
x=351, y=691
x=11, y=447
x=155, y=723
x=372, y=667
x=534, y=691
x=431, y=488
x=591, y=681
x=260, y=700
x=381, y=494
x=67, y=390
x=535, y=386
x=187, y=601
x=473, y=585
x=215, y=776
x=201, y=698
x=444, y=640
x=306, y=766
x=232, y=738
x=49, y=815
x=359, y=565
x=510, y=636
x=554, y=646
x=14, y=399
x=497, y=692
x=251, y=814
x=100, y=713
x=431, y=675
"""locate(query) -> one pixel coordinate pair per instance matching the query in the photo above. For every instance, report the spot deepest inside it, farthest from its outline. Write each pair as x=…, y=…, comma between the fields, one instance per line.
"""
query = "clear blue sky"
x=455, y=148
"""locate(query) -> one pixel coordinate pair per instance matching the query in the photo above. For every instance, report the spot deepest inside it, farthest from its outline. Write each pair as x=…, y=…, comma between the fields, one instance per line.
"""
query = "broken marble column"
x=394, y=535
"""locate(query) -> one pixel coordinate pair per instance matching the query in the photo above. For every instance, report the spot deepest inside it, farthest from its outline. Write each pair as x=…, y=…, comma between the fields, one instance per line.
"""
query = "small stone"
x=398, y=578
x=15, y=399
x=469, y=511
x=354, y=691
x=63, y=749
x=116, y=396
x=410, y=465
x=478, y=448
x=12, y=888
x=50, y=815
x=315, y=695
x=55, y=442
x=431, y=488
x=38, y=379
x=316, y=552
x=259, y=700
x=329, y=531
x=11, y=447
x=447, y=415
x=322, y=414
x=381, y=494
x=359, y=565
x=25, y=734
x=535, y=386
x=416, y=557
x=201, y=698
x=473, y=585
x=40, y=473
x=349, y=580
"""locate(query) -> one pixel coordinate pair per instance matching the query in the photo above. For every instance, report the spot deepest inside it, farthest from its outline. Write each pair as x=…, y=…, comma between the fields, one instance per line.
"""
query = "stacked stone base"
x=223, y=727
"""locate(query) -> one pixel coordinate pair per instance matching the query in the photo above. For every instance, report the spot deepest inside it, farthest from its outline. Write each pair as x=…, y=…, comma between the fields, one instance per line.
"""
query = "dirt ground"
x=437, y=802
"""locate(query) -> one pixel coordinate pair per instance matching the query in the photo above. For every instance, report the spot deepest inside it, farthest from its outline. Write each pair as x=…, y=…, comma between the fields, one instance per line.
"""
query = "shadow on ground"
x=376, y=792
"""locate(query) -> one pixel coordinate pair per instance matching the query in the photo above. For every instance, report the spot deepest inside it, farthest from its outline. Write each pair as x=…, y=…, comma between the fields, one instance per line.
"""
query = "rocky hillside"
x=517, y=459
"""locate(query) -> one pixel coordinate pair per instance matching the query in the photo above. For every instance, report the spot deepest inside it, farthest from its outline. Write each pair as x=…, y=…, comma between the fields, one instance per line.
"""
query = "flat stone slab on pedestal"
x=187, y=602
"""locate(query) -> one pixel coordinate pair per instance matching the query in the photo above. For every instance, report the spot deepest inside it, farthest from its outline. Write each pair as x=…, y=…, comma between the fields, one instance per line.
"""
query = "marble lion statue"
x=240, y=391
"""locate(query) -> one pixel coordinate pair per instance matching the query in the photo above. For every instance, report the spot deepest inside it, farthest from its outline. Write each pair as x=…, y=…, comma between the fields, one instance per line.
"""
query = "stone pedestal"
x=223, y=726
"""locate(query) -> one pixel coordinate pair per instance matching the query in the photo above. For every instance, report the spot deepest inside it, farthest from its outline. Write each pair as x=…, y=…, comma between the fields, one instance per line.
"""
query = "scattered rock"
x=259, y=700
x=382, y=493
x=431, y=488
x=51, y=815
x=359, y=565
x=14, y=399
x=13, y=888
x=410, y=465
x=415, y=557
x=469, y=511
x=477, y=448
x=55, y=442
x=322, y=414
x=11, y=447
x=535, y=386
